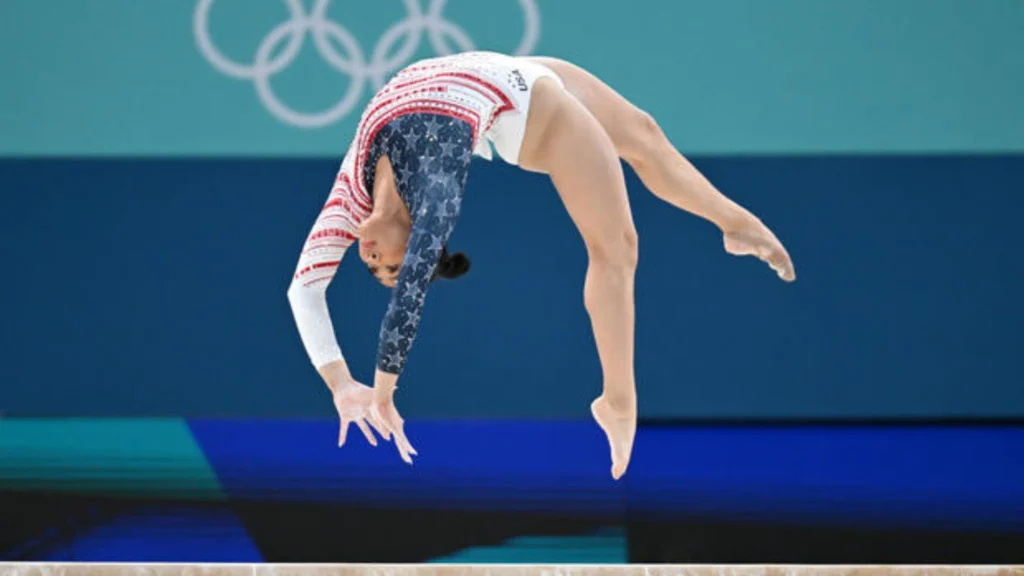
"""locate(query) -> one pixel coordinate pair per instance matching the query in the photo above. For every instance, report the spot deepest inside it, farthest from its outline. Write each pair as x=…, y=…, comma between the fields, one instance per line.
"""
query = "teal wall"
x=128, y=77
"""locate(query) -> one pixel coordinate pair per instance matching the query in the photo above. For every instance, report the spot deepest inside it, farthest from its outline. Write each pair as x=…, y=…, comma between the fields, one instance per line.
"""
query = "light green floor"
x=143, y=457
x=605, y=547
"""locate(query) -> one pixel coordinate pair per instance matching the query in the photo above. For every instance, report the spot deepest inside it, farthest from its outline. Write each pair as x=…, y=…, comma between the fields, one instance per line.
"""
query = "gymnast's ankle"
x=619, y=404
x=737, y=219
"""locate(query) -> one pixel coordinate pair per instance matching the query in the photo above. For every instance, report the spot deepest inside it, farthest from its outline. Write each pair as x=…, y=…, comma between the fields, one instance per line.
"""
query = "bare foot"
x=620, y=428
x=755, y=239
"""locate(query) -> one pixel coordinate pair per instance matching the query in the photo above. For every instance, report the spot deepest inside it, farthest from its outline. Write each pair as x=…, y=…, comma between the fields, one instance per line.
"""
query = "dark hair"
x=451, y=266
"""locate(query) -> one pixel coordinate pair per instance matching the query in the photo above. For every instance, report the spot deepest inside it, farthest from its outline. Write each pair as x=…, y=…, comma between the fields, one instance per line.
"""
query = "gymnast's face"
x=382, y=247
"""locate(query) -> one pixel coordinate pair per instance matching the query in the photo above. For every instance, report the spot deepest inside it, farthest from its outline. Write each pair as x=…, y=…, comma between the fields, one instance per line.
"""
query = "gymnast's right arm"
x=325, y=245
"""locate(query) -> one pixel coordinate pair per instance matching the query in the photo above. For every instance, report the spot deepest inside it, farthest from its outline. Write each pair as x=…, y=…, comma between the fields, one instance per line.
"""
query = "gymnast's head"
x=384, y=234
x=382, y=245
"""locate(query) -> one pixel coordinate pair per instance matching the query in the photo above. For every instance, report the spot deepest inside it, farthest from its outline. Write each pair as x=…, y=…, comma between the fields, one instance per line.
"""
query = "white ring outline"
x=377, y=70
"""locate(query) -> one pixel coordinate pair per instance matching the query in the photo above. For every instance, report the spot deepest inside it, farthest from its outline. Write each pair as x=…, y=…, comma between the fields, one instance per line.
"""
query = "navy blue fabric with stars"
x=430, y=155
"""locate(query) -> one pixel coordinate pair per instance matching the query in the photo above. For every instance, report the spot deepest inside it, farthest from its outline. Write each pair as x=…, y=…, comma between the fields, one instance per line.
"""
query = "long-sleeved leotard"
x=428, y=119
x=430, y=156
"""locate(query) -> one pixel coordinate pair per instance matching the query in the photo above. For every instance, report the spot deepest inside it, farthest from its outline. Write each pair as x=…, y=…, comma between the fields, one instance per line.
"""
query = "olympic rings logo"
x=376, y=70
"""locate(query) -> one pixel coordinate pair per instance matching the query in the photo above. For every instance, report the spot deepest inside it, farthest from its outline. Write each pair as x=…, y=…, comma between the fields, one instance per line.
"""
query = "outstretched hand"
x=371, y=410
x=383, y=411
x=755, y=239
x=352, y=400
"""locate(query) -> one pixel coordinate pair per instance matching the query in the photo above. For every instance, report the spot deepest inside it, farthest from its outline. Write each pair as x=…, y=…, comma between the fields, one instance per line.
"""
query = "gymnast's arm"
x=431, y=227
x=331, y=235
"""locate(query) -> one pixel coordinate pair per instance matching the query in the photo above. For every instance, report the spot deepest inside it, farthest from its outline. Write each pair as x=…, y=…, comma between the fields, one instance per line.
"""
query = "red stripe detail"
x=425, y=66
x=361, y=203
x=309, y=269
x=343, y=188
x=344, y=204
x=392, y=97
x=332, y=232
x=324, y=218
x=407, y=94
x=505, y=100
x=379, y=104
x=501, y=101
x=497, y=95
x=411, y=82
x=344, y=199
x=340, y=245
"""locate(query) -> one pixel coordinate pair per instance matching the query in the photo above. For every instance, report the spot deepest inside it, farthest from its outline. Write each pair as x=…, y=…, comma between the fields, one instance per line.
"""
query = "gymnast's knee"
x=611, y=272
x=645, y=142
x=615, y=251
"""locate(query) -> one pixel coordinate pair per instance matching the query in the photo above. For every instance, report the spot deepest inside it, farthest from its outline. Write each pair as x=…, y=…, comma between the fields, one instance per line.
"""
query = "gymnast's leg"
x=565, y=141
x=668, y=174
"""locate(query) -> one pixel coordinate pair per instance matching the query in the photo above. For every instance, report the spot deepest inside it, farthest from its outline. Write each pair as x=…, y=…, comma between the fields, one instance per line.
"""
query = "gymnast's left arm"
x=430, y=230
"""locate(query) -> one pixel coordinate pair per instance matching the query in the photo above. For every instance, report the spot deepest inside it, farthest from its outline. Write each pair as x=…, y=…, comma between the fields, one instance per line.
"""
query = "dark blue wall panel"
x=157, y=287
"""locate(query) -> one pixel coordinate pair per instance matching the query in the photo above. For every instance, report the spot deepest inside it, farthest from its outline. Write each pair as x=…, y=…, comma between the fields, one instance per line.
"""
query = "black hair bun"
x=451, y=266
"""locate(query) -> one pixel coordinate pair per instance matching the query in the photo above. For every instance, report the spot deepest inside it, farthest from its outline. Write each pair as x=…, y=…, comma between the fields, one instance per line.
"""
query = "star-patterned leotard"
x=429, y=120
x=430, y=156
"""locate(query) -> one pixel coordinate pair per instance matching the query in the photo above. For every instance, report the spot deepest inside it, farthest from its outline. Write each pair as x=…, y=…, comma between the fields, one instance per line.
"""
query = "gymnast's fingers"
x=405, y=450
x=391, y=420
x=365, y=428
x=343, y=432
x=378, y=425
x=408, y=445
x=404, y=446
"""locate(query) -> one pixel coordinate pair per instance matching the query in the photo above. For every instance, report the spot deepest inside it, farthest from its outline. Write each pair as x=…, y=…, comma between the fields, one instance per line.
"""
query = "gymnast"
x=399, y=191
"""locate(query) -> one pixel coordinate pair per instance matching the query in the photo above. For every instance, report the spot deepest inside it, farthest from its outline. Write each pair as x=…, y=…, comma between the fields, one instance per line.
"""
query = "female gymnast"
x=400, y=188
